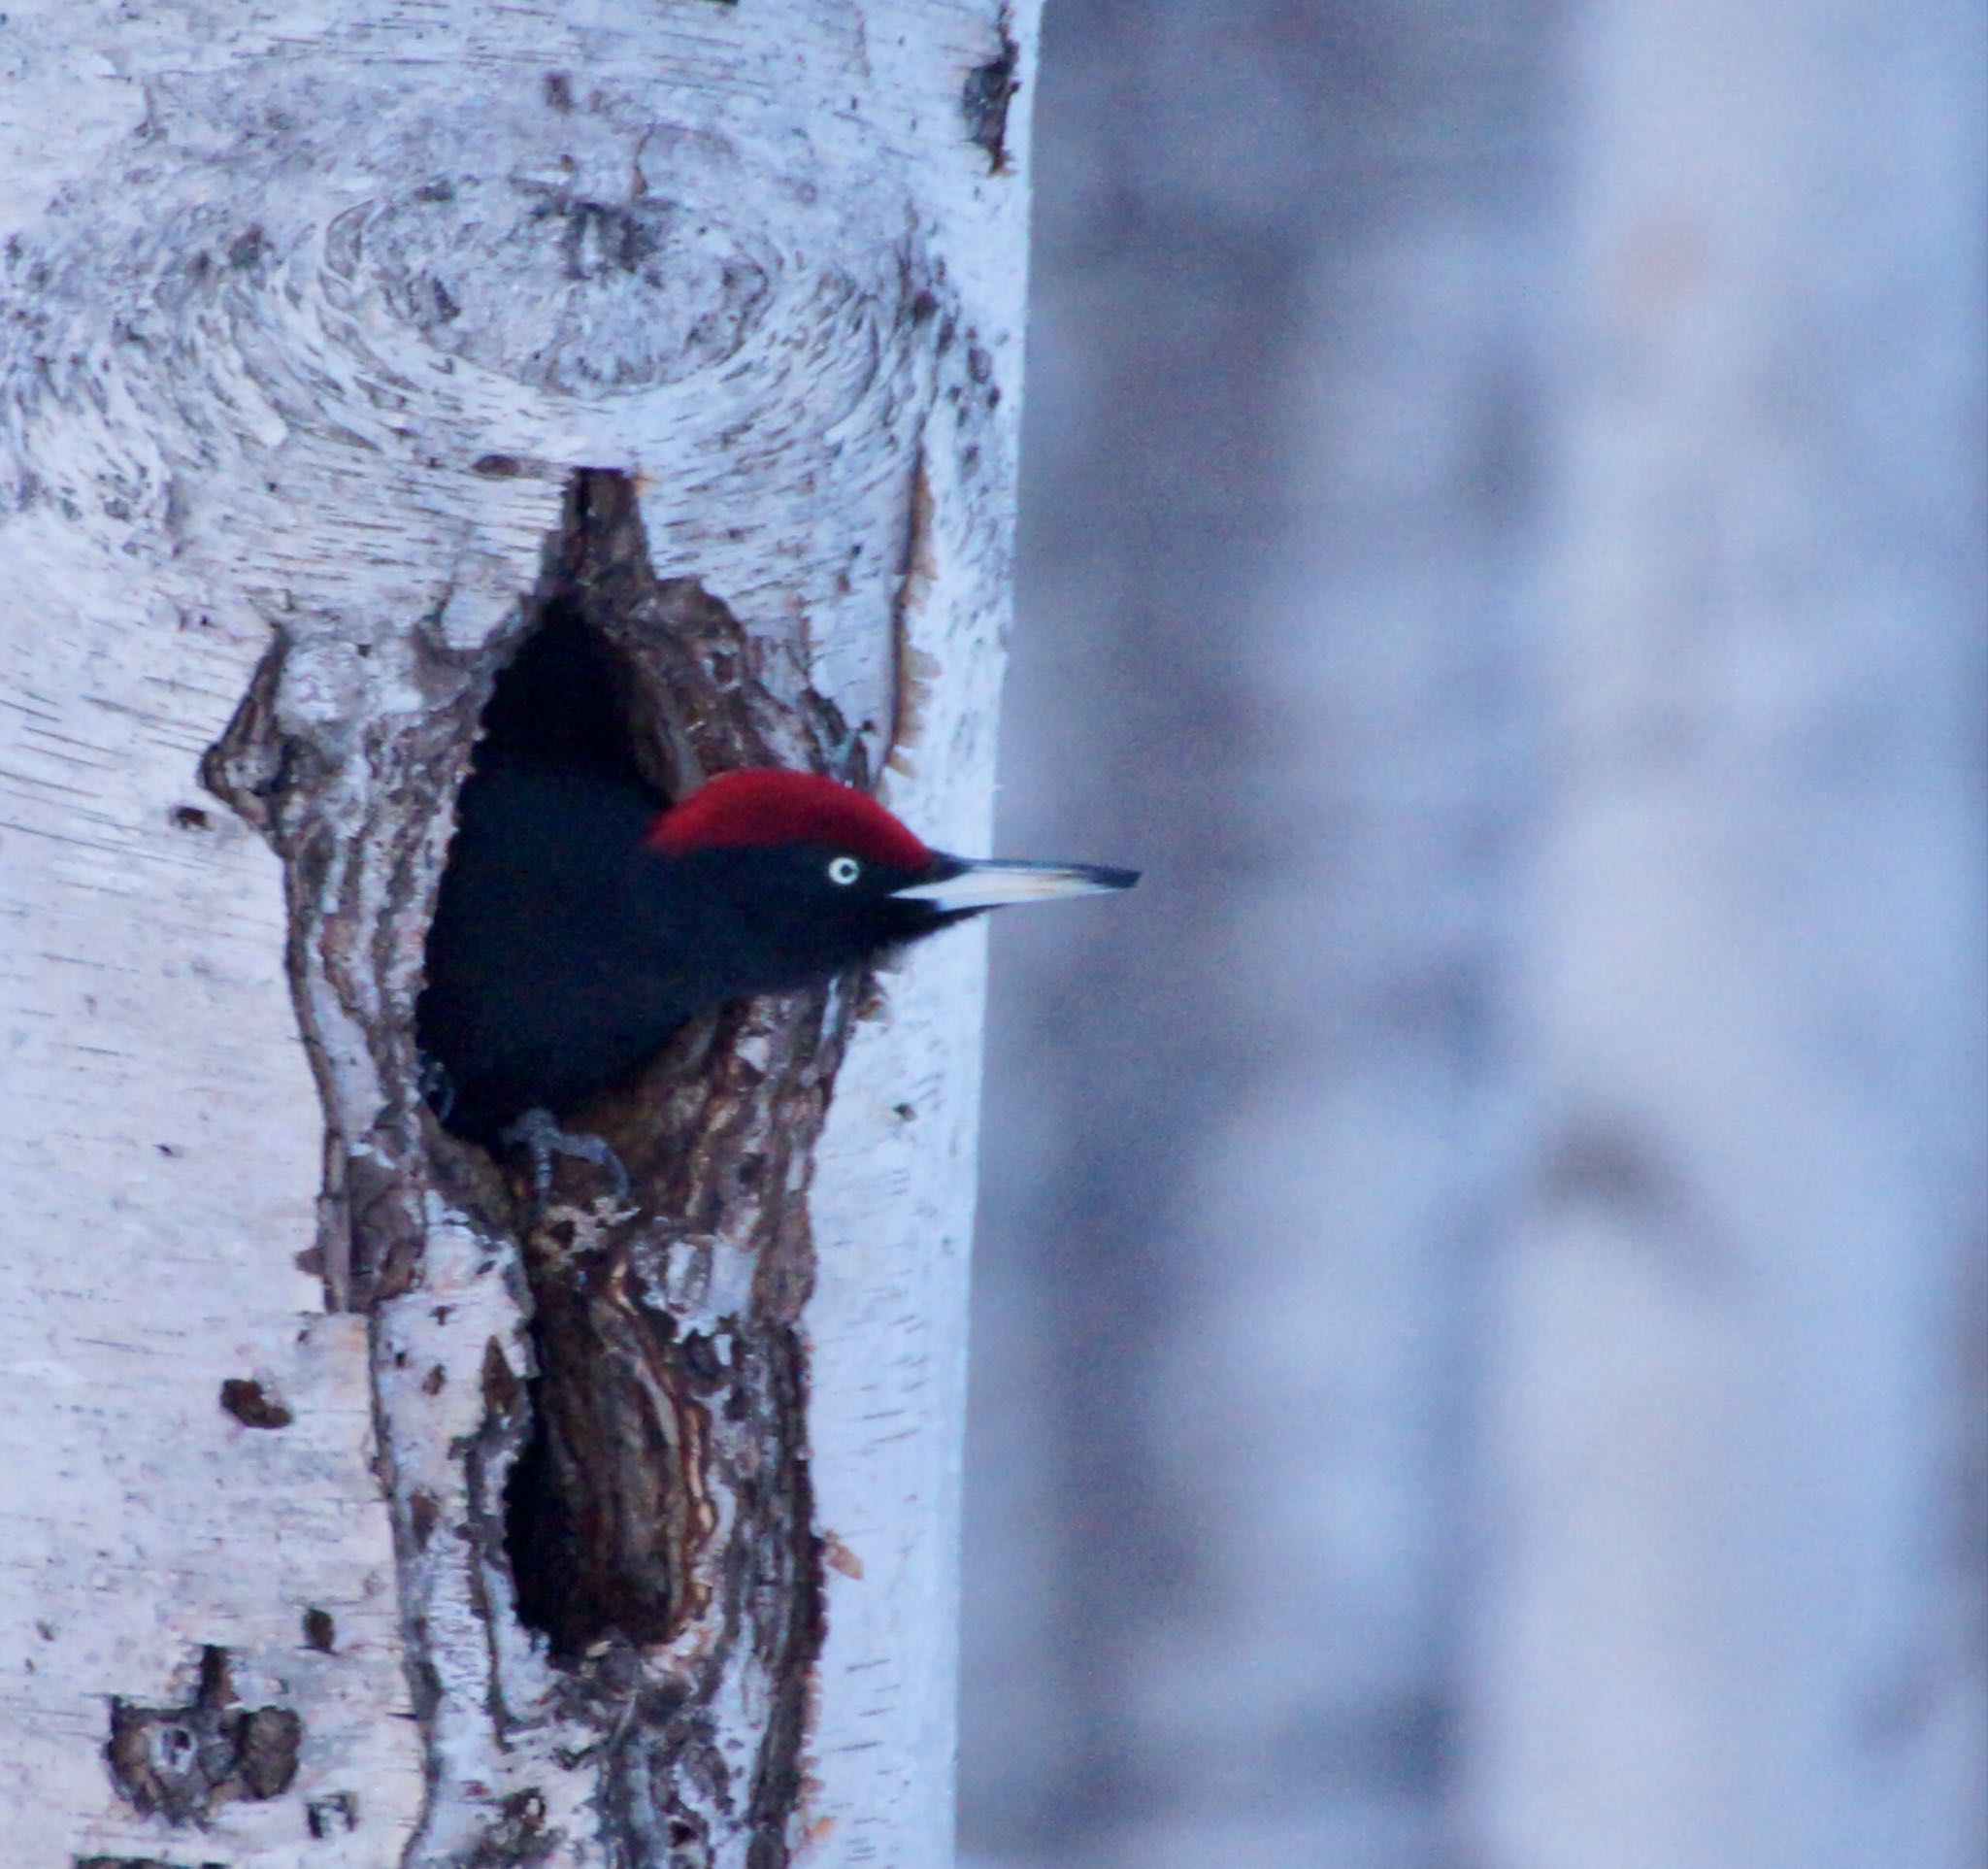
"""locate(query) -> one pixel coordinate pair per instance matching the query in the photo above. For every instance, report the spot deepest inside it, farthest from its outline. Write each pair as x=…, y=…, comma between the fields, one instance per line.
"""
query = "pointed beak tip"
x=998, y=884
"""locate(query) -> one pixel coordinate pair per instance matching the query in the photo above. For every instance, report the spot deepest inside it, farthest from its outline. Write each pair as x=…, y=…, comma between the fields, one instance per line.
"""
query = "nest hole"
x=585, y=1525
x=567, y=699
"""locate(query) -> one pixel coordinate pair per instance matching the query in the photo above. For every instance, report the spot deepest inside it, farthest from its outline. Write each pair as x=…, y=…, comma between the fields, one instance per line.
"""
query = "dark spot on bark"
x=320, y=1632
x=387, y=1229
x=190, y=817
x=271, y=1738
x=139, y=1862
x=985, y=96
x=423, y=1679
x=250, y=767
x=559, y=91
x=422, y=1516
x=328, y=1816
x=525, y=1810
x=248, y=249
x=701, y=1362
x=183, y=1762
x=502, y=1390
x=250, y=1404
x=435, y=1380
x=602, y=237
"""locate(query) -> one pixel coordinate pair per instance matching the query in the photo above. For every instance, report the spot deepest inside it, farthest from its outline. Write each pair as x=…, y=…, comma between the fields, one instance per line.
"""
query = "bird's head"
x=827, y=875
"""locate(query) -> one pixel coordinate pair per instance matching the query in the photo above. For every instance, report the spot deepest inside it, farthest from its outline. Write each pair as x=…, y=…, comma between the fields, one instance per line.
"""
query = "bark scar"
x=913, y=669
x=183, y=1762
x=988, y=92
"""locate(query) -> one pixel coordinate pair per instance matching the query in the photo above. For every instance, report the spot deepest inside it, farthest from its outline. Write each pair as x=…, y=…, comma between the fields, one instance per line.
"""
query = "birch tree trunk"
x=340, y=350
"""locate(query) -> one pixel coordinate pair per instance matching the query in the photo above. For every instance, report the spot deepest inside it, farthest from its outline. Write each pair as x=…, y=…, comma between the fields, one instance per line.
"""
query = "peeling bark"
x=336, y=369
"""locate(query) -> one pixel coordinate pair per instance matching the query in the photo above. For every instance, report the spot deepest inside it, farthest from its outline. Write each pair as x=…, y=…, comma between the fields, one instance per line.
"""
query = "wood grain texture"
x=312, y=316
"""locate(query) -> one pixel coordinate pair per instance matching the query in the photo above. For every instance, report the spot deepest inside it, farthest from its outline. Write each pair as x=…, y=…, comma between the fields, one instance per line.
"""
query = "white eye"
x=844, y=870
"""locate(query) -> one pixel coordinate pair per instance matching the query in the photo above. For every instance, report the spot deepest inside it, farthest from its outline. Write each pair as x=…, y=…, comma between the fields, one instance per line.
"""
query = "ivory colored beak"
x=964, y=883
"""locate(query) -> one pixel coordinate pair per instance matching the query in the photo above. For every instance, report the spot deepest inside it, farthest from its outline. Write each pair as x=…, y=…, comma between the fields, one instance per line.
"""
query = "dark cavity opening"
x=595, y=1526
x=564, y=700
x=593, y=1507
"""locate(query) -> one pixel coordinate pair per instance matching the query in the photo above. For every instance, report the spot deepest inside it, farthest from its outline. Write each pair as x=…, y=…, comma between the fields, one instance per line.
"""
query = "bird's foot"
x=540, y=1138
x=432, y=1081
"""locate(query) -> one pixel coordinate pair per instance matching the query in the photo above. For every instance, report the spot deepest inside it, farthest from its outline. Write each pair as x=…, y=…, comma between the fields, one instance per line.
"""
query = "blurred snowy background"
x=1482, y=1332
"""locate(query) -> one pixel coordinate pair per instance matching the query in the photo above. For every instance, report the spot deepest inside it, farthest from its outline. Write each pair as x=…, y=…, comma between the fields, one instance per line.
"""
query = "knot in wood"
x=556, y=287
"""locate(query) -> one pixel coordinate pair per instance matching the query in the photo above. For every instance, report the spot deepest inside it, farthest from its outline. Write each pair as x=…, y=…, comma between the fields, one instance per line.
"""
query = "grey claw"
x=539, y=1135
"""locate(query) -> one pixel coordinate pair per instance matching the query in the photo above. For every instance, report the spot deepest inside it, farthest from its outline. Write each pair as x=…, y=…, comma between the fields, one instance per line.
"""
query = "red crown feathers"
x=740, y=809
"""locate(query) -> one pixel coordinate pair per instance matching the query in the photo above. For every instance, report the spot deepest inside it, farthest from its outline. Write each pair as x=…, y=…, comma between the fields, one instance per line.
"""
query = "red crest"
x=739, y=809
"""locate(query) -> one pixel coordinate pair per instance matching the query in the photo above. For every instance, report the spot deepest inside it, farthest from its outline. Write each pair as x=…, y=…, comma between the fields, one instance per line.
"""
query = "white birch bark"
x=312, y=316
x=1735, y=1616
